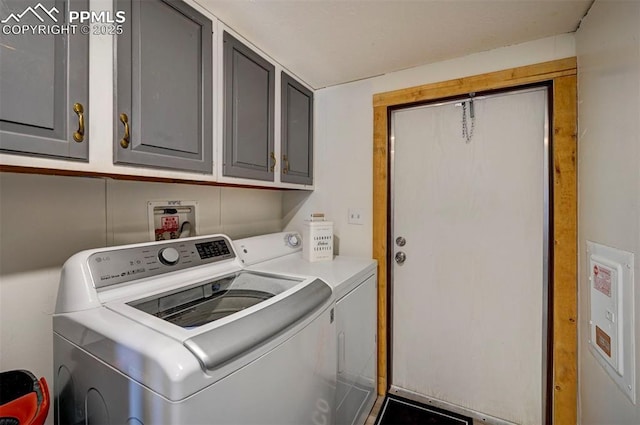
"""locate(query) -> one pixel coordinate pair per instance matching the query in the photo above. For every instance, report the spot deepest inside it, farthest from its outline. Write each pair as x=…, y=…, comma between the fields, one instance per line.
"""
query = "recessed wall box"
x=172, y=219
x=611, y=313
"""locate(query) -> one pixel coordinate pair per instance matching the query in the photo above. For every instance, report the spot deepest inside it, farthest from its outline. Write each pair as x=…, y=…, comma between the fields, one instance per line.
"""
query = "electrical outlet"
x=356, y=216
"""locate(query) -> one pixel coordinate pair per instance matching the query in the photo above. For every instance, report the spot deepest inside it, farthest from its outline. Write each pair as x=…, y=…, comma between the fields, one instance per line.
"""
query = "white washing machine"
x=354, y=282
x=180, y=332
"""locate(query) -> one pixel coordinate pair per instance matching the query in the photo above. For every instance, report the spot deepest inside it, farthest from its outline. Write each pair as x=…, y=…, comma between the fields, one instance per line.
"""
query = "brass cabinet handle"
x=124, y=142
x=78, y=135
x=285, y=170
x=273, y=158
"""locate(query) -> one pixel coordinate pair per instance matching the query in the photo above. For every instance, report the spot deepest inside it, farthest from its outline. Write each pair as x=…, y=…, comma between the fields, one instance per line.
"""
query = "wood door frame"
x=561, y=75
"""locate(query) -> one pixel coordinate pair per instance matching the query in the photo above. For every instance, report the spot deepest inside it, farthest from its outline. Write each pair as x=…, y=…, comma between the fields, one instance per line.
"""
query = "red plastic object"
x=24, y=400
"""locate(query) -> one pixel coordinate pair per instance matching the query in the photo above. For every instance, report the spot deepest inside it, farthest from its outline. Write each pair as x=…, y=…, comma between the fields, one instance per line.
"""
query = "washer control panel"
x=127, y=264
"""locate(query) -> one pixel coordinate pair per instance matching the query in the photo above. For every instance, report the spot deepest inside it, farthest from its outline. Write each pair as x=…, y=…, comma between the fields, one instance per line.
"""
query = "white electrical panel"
x=611, y=313
x=606, y=309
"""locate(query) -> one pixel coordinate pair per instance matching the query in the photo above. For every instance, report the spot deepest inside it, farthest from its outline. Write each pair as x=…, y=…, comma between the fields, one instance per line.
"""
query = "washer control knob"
x=293, y=240
x=169, y=256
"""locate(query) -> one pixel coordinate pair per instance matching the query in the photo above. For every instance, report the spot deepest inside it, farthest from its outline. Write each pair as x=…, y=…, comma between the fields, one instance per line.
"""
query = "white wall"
x=608, y=49
x=46, y=219
x=344, y=135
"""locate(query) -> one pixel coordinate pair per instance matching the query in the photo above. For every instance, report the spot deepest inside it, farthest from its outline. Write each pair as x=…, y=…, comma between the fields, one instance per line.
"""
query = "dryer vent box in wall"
x=611, y=315
x=317, y=241
x=172, y=219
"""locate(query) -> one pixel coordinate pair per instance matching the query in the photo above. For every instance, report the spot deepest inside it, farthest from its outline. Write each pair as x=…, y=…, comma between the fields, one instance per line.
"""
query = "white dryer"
x=354, y=281
x=179, y=332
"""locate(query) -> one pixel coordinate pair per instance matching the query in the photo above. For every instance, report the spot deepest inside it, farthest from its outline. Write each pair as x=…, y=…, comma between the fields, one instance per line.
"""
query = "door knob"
x=400, y=241
x=401, y=257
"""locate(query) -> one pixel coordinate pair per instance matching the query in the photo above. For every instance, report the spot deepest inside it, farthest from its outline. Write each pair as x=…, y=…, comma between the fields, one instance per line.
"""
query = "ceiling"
x=329, y=42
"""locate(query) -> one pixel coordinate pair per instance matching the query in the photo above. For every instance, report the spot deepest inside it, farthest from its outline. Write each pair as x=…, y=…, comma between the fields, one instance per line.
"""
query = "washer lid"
x=196, y=305
x=220, y=345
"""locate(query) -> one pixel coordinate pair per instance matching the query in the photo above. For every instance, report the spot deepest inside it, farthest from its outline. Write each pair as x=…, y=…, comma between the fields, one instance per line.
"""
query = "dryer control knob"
x=169, y=256
x=293, y=240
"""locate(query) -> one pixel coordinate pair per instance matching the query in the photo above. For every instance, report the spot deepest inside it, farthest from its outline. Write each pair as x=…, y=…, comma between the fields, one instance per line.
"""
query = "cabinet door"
x=42, y=77
x=297, y=132
x=249, y=87
x=164, y=86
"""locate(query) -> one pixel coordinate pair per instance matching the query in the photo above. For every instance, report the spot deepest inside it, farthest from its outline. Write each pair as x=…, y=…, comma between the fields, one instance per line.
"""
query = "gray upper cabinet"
x=297, y=132
x=249, y=87
x=164, y=86
x=44, y=84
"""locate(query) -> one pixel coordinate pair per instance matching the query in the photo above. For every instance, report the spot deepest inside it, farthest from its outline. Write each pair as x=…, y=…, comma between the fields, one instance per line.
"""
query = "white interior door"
x=468, y=309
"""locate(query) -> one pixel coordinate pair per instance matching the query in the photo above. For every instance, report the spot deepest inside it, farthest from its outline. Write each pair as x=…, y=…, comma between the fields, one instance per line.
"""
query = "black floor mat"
x=400, y=411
